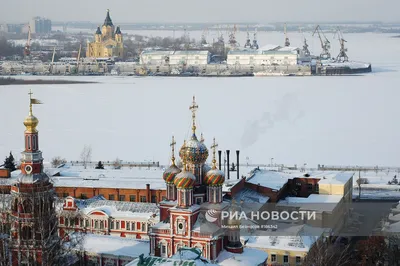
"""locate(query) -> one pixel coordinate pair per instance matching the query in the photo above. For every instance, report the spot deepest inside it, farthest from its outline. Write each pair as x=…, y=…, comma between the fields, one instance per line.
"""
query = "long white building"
x=162, y=57
x=267, y=55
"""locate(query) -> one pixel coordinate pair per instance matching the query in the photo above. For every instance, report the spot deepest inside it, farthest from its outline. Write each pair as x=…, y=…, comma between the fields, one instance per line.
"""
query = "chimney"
x=219, y=159
x=148, y=193
x=227, y=161
x=237, y=163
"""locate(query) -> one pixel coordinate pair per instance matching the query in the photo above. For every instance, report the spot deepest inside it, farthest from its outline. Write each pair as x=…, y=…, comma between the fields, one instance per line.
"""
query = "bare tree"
x=39, y=236
x=117, y=163
x=57, y=161
x=328, y=251
x=86, y=155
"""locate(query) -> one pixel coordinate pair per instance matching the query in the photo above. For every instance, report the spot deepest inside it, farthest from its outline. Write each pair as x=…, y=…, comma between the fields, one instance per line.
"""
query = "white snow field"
x=347, y=120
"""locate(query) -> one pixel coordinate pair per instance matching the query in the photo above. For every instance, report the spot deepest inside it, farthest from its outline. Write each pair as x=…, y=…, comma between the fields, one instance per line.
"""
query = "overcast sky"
x=201, y=11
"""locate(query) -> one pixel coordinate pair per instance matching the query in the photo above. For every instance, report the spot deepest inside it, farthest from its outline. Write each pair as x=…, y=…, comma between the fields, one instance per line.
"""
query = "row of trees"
x=8, y=48
x=370, y=251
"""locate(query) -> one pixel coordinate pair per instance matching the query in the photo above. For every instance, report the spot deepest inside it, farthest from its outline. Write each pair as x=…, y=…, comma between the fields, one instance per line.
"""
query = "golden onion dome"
x=194, y=151
x=184, y=179
x=170, y=173
x=31, y=123
x=214, y=177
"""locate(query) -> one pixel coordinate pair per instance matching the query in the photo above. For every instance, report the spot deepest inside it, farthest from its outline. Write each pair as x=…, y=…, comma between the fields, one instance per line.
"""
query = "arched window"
x=15, y=205
x=27, y=206
x=29, y=142
x=34, y=147
x=96, y=224
x=101, y=224
x=26, y=233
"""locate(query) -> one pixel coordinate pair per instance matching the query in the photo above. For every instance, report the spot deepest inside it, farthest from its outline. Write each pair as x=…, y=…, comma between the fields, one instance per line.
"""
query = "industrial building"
x=162, y=57
x=268, y=55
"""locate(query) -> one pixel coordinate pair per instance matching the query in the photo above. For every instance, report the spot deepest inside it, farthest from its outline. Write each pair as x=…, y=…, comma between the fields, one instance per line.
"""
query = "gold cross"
x=214, y=146
x=194, y=108
x=172, y=144
x=30, y=93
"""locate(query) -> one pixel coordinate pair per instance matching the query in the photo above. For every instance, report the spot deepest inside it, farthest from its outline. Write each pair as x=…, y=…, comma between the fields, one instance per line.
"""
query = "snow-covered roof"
x=277, y=179
x=314, y=202
x=117, y=246
x=249, y=257
x=294, y=238
x=179, y=52
x=250, y=196
x=349, y=64
x=119, y=209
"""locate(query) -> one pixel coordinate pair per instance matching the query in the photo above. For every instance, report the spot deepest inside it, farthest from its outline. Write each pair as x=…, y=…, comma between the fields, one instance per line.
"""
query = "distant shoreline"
x=12, y=81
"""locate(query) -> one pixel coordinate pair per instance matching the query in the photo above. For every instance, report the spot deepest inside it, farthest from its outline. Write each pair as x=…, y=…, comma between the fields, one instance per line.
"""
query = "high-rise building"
x=40, y=25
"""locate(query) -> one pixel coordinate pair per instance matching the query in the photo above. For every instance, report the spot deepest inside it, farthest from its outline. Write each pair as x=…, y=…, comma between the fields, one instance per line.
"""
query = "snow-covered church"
x=192, y=190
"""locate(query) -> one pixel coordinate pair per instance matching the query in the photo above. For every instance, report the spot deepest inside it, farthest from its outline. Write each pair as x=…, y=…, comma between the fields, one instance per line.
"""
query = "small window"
x=96, y=224
x=112, y=225
x=132, y=198
x=29, y=142
x=72, y=221
x=285, y=259
x=83, y=196
x=111, y=197
x=101, y=224
x=86, y=223
x=65, y=195
x=298, y=259
x=133, y=226
x=117, y=225
x=317, y=188
x=143, y=227
x=128, y=226
x=154, y=199
x=199, y=200
x=310, y=187
x=273, y=258
x=142, y=198
x=121, y=197
x=164, y=198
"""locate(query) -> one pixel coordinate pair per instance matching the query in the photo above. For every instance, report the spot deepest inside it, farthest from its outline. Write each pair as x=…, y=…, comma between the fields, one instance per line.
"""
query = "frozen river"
x=314, y=120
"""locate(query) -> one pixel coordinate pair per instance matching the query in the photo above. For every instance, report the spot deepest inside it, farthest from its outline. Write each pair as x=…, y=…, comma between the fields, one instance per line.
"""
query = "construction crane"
x=342, y=56
x=305, y=50
x=27, y=48
x=287, y=42
x=325, y=43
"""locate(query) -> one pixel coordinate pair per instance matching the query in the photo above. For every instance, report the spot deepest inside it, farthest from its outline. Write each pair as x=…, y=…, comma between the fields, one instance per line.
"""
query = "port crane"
x=305, y=50
x=232, y=38
x=255, y=43
x=27, y=48
x=342, y=56
x=325, y=43
x=287, y=42
x=248, y=42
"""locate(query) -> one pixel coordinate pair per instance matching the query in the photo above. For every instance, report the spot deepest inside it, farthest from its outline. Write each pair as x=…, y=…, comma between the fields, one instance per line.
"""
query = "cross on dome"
x=172, y=144
x=194, y=108
x=213, y=147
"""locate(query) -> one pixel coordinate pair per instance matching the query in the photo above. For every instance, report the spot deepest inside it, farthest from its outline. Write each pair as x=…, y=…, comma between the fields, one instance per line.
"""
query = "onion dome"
x=31, y=121
x=214, y=177
x=184, y=179
x=118, y=31
x=98, y=31
x=194, y=151
x=170, y=173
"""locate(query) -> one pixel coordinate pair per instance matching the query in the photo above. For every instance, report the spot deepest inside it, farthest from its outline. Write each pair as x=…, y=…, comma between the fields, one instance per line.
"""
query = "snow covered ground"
x=326, y=120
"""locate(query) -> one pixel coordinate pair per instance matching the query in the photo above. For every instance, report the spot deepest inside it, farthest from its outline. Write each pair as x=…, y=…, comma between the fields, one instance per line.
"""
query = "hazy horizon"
x=223, y=11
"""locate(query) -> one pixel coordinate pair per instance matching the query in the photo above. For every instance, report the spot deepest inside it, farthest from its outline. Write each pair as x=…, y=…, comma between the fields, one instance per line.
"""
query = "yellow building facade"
x=108, y=41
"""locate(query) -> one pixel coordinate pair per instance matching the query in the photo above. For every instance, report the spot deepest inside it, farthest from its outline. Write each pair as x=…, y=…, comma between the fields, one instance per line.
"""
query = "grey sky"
x=201, y=10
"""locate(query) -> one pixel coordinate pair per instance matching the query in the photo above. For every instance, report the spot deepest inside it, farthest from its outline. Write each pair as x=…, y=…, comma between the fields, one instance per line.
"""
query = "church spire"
x=108, y=21
x=31, y=121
